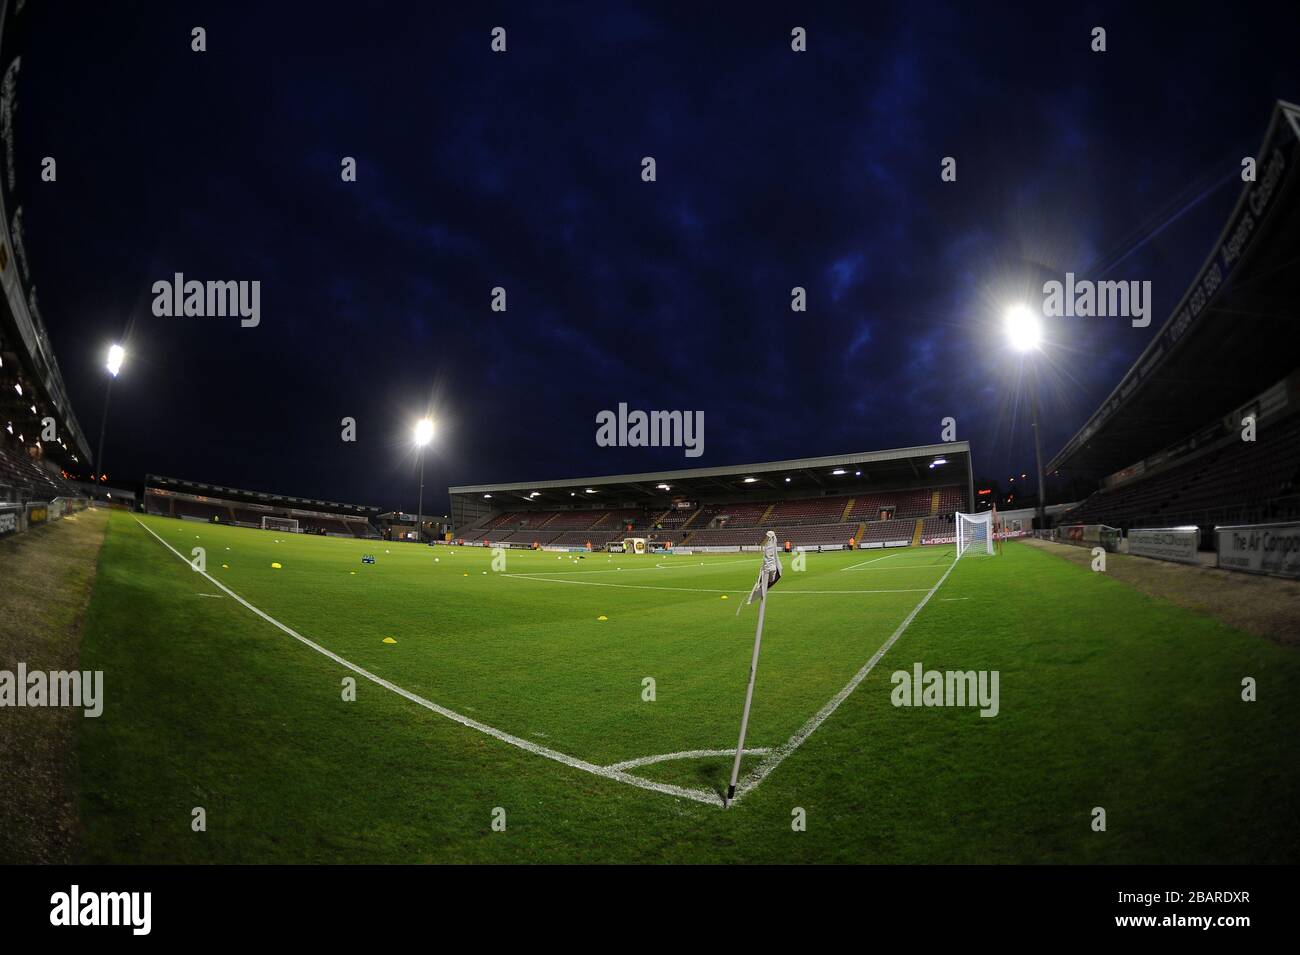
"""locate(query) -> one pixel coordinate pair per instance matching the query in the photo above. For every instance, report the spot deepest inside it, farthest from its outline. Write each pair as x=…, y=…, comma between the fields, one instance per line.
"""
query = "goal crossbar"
x=974, y=533
x=288, y=524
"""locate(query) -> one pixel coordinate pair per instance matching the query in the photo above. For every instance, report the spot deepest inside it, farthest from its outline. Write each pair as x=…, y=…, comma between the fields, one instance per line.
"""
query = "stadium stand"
x=34, y=467
x=819, y=510
x=1171, y=445
x=190, y=500
x=23, y=478
x=1230, y=482
x=887, y=498
x=41, y=442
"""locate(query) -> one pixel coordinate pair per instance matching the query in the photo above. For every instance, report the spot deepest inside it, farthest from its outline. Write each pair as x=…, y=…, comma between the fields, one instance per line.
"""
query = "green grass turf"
x=1108, y=698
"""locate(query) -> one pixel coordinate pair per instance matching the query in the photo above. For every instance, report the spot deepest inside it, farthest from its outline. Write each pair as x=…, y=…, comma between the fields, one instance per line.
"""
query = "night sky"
x=523, y=170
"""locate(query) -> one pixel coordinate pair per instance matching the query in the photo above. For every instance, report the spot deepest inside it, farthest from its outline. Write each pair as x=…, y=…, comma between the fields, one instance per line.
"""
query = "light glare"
x=1024, y=330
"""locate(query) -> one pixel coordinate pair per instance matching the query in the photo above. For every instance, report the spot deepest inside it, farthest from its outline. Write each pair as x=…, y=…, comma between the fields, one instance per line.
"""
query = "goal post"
x=286, y=524
x=974, y=534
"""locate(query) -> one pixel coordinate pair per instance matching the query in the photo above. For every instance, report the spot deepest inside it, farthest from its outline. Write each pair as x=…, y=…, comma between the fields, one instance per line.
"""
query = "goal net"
x=288, y=524
x=974, y=533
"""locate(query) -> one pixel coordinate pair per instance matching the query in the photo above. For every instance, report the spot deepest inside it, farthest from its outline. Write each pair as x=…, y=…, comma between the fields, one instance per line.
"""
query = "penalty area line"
x=606, y=772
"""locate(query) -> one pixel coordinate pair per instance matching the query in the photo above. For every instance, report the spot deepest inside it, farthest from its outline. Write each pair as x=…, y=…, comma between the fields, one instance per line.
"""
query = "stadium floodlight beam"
x=1024, y=331
x=116, y=355
x=423, y=435
x=1023, y=327
x=113, y=363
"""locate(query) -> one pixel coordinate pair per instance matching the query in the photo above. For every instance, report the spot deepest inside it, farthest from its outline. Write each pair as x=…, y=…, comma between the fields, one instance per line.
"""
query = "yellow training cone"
x=225, y=566
x=275, y=566
x=389, y=640
x=724, y=596
x=602, y=617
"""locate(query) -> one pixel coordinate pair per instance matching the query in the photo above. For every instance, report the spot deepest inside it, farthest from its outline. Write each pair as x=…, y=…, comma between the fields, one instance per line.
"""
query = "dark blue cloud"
x=775, y=170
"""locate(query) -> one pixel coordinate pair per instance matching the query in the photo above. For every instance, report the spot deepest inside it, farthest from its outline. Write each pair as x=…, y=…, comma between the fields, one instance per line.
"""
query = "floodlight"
x=116, y=355
x=750, y=480
x=423, y=432
x=1023, y=328
x=838, y=471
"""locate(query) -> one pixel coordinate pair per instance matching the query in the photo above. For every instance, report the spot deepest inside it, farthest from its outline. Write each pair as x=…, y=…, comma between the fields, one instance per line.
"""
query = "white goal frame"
x=974, y=533
x=287, y=524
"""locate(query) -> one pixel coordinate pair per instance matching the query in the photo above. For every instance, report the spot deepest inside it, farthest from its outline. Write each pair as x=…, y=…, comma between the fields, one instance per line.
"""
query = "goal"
x=974, y=533
x=289, y=524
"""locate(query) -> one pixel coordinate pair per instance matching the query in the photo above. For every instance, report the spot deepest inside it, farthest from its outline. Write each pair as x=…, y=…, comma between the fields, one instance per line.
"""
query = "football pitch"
x=591, y=705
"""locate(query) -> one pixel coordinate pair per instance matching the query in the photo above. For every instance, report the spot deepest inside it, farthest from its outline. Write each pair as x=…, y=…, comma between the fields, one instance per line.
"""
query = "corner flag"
x=768, y=575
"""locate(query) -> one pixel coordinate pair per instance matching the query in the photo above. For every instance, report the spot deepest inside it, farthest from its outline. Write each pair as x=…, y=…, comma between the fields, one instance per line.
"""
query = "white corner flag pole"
x=749, y=693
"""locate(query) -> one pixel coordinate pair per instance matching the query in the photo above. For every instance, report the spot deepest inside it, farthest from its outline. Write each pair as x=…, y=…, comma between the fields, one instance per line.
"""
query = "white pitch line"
x=701, y=590
x=698, y=795
x=778, y=755
x=872, y=561
x=619, y=570
x=687, y=754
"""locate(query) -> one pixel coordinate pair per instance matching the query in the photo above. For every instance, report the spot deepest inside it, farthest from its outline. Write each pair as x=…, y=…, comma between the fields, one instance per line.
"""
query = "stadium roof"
x=181, y=486
x=1234, y=333
x=879, y=469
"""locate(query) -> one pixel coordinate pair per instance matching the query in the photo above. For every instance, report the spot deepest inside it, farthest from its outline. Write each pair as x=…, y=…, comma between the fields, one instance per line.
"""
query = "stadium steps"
x=934, y=505
x=920, y=522
x=862, y=529
x=767, y=513
x=844, y=517
x=687, y=522
x=557, y=514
